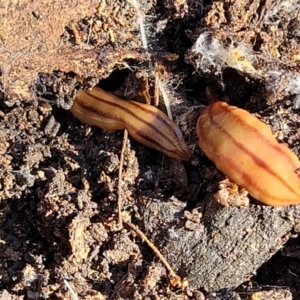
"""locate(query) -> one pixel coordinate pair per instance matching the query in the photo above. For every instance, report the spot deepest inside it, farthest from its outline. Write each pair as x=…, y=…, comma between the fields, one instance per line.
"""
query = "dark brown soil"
x=59, y=231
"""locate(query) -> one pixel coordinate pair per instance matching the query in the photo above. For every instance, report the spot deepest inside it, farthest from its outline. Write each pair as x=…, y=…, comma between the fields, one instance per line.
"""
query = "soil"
x=60, y=236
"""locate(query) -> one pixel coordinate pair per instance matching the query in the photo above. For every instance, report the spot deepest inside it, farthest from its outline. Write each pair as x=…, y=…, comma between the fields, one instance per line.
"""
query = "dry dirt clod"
x=59, y=232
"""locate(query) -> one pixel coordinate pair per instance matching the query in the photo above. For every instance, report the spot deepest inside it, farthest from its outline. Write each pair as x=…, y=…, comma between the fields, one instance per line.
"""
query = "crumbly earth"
x=59, y=232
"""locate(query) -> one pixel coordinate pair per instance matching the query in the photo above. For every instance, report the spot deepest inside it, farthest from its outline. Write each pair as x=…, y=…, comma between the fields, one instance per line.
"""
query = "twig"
x=120, y=191
x=175, y=279
x=72, y=292
x=144, y=40
x=141, y=24
x=90, y=31
x=165, y=98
